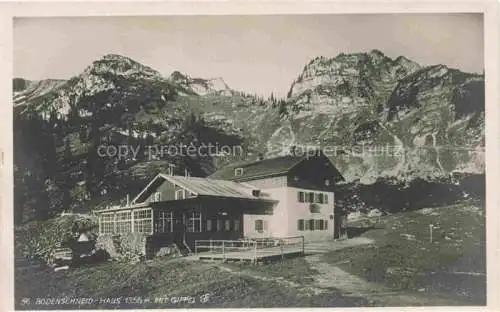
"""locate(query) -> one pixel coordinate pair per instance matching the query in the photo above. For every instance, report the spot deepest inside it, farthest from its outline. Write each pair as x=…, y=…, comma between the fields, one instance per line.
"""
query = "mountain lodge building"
x=275, y=197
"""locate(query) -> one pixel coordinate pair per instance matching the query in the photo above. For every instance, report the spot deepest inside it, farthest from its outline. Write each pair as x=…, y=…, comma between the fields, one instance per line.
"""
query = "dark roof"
x=261, y=168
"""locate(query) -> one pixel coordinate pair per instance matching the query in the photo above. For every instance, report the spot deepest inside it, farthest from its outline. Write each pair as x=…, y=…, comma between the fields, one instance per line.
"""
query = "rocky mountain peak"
x=114, y=64
x=201, y=86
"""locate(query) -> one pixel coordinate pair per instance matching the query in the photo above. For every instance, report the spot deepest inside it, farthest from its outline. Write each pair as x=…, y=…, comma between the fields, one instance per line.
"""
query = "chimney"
x=293, y=148
x=261, y=156
x=171, y=169
x=128, y=200
x=186, y=173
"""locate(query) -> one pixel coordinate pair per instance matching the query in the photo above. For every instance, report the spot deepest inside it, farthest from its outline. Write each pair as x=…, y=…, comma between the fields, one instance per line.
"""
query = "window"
x=238, y=172
x=165, y=222
x=317, y=225
x=219, y=225
x=236, y=225
x=311, y=224
x=156, y=197
x=107, y=223
x=310, y=197
x=306, y=225
x=256, y=193
x=123, y=222
x=259, y=225
x=194, y=222
x=318, y=198
x=209, y=225
x=180, y=194
x=143, y=222
x=300, y=225
x=321, y=225
x=301, y=197
x=327, y=182
x=227, y=225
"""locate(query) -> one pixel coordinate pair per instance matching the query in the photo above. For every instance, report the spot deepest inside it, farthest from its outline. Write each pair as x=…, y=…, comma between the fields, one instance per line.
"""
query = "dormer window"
x=238, y=172
x=327, y=182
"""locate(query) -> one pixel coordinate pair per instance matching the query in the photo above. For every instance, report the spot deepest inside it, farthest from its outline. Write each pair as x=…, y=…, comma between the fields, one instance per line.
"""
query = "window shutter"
x=325, y=198
x=300, y=224
x=311, y=224
x=300, y=197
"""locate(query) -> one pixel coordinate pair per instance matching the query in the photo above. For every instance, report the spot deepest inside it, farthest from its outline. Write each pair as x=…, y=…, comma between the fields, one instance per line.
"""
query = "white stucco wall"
x=277, y=224
x=284, y=221
x=297, y=210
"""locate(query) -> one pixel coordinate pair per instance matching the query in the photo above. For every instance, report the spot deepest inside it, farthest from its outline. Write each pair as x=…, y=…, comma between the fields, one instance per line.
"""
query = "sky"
x=256, y=54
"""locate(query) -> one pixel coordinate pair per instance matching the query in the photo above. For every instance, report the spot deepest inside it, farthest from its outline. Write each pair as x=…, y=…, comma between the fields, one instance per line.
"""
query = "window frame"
x=165, y=218
x=123, y=224
x=301, y=196
x=181, y=191
x=238, y=172
x=301, y=225
x=260, y=228
x=156, y=197
x=236, y=225
x=193, y=218
x=143, y=222
x=104, y=223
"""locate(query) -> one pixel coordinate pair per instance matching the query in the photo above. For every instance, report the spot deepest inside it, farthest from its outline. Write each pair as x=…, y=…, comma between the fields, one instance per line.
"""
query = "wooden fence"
x=250, y=249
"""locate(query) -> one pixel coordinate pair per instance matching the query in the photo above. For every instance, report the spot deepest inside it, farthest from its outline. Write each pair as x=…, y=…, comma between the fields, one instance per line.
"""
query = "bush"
x=39, y=239
x=129, y=247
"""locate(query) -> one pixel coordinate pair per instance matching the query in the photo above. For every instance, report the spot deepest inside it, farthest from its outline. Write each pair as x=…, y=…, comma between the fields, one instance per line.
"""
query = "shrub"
x=39, y=239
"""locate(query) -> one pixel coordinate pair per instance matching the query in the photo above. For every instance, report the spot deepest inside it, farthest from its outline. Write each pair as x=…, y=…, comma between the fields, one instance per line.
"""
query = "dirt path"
x=351, y=285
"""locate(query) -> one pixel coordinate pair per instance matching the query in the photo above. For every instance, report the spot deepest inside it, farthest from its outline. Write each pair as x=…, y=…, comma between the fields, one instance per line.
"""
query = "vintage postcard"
x=163, y=157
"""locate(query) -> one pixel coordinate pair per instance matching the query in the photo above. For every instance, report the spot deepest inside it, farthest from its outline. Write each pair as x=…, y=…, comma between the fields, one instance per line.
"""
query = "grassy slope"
x=162, y=279
x=415, y=263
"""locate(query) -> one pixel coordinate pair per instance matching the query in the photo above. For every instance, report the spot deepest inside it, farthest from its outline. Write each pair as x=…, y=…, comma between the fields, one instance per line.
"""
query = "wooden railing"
x=252, y=249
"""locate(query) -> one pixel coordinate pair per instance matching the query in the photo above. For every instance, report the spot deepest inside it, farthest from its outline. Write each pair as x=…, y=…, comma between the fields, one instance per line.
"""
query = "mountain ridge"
x=430, y=118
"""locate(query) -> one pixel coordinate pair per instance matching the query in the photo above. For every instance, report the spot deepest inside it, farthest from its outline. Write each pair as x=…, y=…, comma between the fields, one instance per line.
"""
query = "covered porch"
x=183, y=221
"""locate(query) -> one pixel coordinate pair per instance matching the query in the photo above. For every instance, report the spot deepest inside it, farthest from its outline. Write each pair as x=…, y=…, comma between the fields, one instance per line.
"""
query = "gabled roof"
x=205, y=187
x=261, y=168
x=212, y=187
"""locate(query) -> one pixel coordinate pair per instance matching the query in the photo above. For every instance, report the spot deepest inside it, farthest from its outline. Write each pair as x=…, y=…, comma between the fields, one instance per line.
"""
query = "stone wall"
x=135, y=246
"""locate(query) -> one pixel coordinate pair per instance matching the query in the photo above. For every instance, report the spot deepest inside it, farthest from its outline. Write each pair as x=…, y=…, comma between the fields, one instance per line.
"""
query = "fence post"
x=255, y=252
x=223, y=252
x=195, y=247
x=303, y=247
x=211, y=250
x=281, y=250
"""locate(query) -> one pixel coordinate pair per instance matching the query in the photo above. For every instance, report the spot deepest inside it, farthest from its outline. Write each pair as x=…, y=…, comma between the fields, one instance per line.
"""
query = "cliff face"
x=387, y=118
